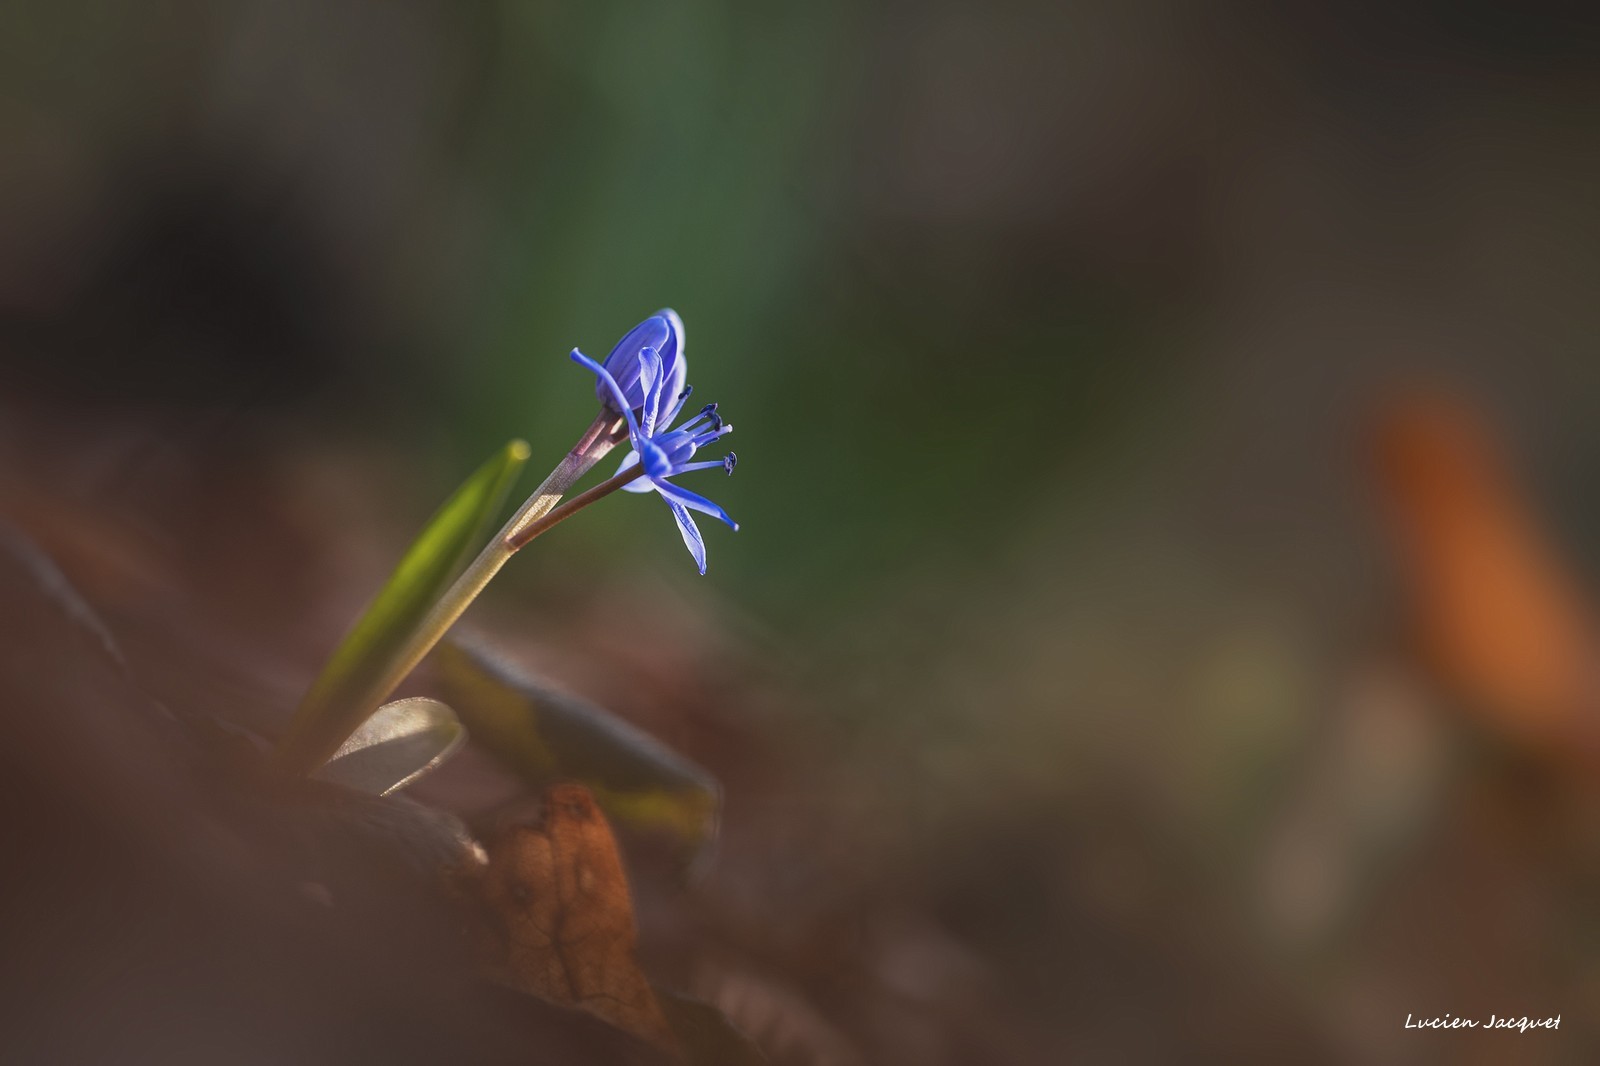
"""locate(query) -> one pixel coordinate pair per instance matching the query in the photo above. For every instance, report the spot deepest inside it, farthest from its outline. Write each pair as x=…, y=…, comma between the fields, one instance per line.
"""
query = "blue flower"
x=663, y=333
x=666, y=452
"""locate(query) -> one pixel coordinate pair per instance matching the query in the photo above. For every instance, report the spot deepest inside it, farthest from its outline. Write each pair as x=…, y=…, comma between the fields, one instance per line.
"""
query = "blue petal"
x=673, y=386
x=650, y=380
x=675, y=370
x=678, y=446
x=672, y=348
x=623, y=362
x=638, y=484
x=676, y=364
x=673, y=357
x=679, y=495
x=691, y=535
x=608, y=386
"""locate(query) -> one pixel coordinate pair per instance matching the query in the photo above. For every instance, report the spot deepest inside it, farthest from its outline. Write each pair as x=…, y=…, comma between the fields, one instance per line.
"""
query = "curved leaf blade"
x=401, y=742
x=346, y=692
x=546, y=735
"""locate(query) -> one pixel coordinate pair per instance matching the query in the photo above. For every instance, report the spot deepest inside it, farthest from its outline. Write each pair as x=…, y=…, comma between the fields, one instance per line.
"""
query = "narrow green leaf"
x=546, y=735
x=401, y=742
x=345, y=693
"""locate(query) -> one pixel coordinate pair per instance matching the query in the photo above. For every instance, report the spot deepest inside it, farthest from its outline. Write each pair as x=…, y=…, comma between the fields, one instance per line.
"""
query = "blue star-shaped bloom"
x=663, y=451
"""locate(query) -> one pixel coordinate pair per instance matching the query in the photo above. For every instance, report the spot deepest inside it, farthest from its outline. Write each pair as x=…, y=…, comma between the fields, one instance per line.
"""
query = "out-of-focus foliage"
x=546, y=736
x=1494, y=608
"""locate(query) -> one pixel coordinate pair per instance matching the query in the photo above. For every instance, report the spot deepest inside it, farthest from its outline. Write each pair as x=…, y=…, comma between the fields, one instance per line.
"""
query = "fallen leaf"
x=561, y=916
x=1495, y=610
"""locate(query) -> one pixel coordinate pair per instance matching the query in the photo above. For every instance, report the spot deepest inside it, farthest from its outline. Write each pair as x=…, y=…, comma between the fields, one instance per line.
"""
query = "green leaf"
x=546, y=735
x=347, y=691
x=401, y=742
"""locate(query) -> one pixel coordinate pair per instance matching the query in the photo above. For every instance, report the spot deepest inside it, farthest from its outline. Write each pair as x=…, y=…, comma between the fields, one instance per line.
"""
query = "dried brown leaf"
x=1497, y=610
x=562, y=916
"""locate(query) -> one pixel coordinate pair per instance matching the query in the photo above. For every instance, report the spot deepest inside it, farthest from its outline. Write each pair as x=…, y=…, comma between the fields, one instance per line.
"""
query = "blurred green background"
x=463, y=193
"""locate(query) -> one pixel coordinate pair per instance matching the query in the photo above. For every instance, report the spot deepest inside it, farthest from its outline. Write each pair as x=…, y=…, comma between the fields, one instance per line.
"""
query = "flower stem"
x=519, y=538
x=599, y=439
